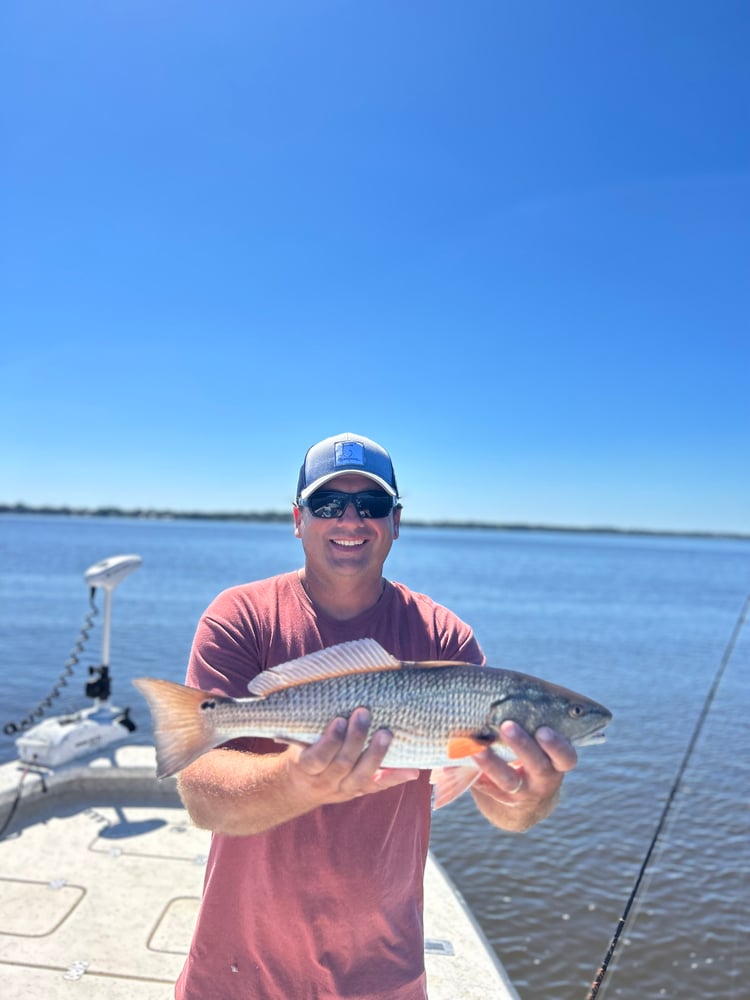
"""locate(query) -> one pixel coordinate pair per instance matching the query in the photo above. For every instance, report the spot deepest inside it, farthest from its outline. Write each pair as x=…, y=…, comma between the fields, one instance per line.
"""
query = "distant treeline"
x=271, y=516
x=148, y=513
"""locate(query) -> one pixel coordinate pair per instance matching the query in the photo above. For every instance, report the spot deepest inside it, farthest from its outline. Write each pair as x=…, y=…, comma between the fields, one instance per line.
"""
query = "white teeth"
x=346, y=544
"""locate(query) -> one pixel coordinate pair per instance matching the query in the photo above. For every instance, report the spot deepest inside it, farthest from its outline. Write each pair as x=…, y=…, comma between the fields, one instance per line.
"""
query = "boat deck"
x=100, y=880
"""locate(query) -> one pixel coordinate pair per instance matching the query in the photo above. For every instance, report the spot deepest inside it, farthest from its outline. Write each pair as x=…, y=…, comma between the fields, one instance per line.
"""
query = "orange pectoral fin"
x=464, y=746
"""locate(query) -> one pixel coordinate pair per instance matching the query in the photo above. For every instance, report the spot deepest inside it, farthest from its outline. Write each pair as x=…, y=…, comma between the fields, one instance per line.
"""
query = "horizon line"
x=153, y=513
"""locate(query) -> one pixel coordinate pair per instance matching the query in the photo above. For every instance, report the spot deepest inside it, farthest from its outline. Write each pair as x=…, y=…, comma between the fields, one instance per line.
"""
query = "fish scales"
x=419, y=706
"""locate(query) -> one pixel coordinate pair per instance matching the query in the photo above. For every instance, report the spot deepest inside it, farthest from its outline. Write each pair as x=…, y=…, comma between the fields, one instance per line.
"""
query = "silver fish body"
x=440, y=714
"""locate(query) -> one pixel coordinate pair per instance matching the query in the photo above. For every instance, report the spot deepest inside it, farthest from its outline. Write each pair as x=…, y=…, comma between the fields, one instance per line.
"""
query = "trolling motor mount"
x=58, y=740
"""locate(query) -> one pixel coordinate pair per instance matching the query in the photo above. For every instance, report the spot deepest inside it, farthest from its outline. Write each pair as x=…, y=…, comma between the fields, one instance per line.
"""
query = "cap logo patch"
x=349, y=453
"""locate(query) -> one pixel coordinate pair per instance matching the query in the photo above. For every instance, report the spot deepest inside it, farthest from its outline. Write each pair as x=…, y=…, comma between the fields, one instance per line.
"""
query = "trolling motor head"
x=109, y=572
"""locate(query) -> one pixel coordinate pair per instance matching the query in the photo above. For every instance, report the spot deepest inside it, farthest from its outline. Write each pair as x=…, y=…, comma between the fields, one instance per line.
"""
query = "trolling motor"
x=61, y=739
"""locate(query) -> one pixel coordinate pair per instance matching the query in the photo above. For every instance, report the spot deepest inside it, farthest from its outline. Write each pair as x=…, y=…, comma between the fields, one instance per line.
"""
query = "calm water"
x=640, y=624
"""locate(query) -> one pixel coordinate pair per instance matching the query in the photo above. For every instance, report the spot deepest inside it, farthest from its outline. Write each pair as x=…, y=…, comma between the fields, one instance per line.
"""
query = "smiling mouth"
x=348, y=543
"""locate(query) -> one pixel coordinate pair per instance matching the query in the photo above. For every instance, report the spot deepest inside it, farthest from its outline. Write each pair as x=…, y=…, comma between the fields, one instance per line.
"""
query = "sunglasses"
x=332, y=503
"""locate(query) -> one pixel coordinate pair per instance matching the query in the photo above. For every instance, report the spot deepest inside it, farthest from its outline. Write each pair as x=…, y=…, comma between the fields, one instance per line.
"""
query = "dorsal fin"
x=431, y=664
x=358, y=656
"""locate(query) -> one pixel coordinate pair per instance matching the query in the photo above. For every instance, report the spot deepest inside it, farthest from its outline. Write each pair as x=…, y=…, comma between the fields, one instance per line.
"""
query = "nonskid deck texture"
x=100, y=881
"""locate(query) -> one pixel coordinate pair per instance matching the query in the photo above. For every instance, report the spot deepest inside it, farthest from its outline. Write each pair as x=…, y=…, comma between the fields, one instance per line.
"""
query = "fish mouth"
x=598, y=736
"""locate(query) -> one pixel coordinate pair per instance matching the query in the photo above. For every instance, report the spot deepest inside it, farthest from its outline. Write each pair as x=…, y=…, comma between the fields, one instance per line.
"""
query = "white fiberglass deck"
x=100, y=880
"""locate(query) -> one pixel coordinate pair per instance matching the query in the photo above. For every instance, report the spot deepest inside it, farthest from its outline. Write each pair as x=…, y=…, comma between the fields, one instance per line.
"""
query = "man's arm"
x=238, y=794
x=518, y=795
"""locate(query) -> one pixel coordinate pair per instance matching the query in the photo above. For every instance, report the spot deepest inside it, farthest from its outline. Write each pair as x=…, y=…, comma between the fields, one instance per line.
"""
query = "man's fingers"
x=359, y=779
x=540, y=752
x=314, y=759
x=346, y=761
x=560, y=751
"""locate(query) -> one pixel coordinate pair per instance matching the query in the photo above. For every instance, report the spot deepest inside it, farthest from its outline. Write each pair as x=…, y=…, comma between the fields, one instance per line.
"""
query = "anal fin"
x=450, y=782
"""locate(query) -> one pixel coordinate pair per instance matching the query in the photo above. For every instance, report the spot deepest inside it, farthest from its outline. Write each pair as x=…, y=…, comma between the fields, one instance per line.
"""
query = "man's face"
x=348, y=545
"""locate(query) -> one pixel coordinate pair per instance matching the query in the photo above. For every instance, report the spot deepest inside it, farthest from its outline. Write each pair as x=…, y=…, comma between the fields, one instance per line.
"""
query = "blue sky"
x=509, y=241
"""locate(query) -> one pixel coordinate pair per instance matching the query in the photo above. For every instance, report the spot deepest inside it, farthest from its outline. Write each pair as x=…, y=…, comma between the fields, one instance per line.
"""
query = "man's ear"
x=396, y=521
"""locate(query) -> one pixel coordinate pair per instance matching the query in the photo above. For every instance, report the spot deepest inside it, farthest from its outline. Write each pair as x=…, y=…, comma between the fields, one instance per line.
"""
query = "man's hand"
x=241, y=794
x=519, y=794
x=341, y=765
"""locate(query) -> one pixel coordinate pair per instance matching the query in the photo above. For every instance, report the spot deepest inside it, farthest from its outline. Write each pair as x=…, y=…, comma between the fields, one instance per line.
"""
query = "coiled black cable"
x=12, y=728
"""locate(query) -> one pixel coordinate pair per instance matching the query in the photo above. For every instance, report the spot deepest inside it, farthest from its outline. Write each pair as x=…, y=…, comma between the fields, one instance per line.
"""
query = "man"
x=313, y=886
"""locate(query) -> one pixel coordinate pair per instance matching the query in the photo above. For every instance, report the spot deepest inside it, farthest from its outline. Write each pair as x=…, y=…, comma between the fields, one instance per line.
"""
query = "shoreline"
x=278, y=517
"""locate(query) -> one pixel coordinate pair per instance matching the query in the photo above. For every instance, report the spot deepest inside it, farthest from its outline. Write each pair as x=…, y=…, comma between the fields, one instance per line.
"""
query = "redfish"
x=440, y=712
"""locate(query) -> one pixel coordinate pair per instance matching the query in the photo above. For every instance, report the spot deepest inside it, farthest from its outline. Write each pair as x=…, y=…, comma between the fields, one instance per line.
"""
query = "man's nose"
x=350, y=513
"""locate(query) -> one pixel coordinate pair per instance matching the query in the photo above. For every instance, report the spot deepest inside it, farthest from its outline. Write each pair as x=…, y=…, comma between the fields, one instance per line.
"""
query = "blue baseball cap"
x=345, y=453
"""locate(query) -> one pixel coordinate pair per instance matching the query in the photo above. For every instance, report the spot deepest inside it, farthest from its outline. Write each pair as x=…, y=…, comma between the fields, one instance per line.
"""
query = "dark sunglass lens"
x=373, y=504
x=327, y=504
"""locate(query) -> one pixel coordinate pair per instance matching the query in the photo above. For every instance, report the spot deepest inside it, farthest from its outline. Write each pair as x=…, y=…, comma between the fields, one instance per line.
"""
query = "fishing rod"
x=670, y=798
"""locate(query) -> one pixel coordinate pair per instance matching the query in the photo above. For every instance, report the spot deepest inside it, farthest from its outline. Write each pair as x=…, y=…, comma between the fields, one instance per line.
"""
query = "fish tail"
x=182, y=732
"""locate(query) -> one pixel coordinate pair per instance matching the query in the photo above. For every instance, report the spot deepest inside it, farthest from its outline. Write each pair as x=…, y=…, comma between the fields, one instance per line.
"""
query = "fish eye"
x=576, y=711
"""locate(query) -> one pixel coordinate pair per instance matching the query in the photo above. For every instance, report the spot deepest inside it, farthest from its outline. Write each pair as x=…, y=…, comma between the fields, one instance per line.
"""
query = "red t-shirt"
x=329, y=905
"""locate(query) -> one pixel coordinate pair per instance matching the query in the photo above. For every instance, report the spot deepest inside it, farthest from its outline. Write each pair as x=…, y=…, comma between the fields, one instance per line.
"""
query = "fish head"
x=532, y=703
